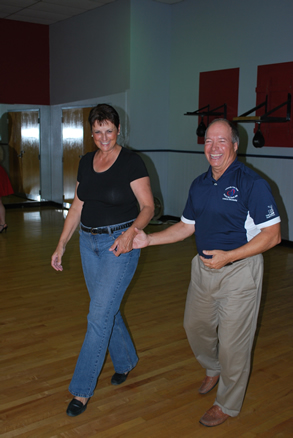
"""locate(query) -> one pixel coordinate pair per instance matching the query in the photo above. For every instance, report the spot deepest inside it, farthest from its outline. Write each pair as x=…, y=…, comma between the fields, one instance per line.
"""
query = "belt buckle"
x=93, y=232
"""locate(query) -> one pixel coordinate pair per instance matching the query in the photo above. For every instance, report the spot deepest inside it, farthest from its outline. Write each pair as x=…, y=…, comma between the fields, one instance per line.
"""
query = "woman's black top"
x=107, y=196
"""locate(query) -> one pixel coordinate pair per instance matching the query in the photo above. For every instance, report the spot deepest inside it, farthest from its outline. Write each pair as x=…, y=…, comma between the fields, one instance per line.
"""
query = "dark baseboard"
x=33, y=204
x=287, y=243
x=167, y=218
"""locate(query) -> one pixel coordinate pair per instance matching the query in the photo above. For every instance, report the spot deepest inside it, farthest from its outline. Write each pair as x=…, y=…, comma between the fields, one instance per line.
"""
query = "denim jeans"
x=107, y=278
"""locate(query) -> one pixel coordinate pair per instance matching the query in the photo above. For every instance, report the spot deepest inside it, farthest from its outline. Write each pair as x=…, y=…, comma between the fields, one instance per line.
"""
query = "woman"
x=110, y=183
x=5, y=190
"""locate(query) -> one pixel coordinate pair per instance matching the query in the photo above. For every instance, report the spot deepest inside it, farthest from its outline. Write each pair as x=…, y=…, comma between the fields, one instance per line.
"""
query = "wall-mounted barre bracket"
x=265, y=117
x=213, y=112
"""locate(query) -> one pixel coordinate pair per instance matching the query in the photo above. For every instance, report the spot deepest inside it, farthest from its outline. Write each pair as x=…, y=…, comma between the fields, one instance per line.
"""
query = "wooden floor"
x=43, y=322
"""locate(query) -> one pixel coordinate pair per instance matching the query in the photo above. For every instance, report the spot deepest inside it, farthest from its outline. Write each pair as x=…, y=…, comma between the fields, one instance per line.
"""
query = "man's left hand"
x=218, y=260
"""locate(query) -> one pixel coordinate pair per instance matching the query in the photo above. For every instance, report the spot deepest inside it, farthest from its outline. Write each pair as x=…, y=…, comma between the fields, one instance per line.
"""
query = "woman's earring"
x=92, y=135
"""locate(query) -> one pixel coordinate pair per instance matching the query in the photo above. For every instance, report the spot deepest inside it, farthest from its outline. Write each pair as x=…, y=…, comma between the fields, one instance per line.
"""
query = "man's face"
x=219, y=149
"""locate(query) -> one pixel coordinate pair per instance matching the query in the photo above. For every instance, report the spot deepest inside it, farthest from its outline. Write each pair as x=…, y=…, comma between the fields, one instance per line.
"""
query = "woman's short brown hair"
x=102, y=113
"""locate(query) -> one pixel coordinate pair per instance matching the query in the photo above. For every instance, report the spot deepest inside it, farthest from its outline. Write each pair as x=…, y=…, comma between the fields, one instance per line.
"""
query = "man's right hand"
x=141, y=240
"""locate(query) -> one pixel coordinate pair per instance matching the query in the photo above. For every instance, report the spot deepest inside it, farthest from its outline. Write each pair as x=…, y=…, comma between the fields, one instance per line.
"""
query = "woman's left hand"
x=123, y=243
x=142, y=191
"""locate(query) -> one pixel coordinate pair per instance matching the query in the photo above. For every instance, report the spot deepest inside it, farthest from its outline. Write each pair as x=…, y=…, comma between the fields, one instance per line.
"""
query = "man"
x=232, y=212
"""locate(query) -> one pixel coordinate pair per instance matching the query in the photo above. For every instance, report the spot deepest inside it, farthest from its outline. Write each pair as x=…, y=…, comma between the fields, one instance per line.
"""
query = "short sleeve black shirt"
x=107, y=196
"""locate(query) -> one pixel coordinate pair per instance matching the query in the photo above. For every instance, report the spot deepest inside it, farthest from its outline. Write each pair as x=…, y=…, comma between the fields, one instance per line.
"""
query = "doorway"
x=77, y=141
x=24, y=153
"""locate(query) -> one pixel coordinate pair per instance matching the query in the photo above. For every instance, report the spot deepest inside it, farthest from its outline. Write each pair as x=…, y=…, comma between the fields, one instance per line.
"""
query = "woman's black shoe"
x=76, y=407
x=117, y=378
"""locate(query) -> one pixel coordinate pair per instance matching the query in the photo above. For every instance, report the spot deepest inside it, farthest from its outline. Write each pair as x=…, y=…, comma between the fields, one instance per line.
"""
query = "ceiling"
x=51, y=11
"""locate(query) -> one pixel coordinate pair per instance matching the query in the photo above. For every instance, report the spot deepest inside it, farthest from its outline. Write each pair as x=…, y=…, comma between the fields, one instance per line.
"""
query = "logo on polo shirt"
x=231, y=194
x=271, y=212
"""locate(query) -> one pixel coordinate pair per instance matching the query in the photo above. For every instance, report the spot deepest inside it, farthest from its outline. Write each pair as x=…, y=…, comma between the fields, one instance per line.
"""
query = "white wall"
x=89, y=54
x=149, y=74
x=149, y=86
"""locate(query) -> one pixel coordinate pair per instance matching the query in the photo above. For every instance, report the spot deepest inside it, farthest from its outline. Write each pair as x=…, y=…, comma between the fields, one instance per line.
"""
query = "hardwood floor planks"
x=43, y=323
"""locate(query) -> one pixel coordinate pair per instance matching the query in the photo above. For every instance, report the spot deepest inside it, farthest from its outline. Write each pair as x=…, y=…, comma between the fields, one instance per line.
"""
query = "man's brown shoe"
x=213, y=417
x=208, y=384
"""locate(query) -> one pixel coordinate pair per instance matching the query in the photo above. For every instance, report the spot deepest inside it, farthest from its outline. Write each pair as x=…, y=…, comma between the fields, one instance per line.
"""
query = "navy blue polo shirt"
x=229, y=212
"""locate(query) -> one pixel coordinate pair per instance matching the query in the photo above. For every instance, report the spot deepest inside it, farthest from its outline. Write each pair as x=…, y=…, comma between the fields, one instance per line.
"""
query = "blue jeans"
x=107, y=278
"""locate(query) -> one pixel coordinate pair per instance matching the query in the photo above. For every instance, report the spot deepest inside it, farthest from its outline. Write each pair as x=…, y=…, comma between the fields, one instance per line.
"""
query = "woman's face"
x=105, y=135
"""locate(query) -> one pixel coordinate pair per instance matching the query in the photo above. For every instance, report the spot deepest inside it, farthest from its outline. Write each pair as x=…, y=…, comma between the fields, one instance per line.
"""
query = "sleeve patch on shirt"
x=271, y=212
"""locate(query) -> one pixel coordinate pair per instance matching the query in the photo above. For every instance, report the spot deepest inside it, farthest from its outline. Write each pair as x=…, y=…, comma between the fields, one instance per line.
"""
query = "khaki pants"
x=220, y=321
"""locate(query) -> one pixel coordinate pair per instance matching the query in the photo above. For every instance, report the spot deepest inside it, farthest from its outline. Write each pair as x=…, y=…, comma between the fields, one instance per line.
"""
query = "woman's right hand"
x=71, y=222
x=56, y=258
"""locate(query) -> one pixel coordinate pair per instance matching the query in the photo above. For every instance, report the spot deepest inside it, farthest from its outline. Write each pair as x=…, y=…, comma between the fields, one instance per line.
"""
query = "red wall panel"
x=275, y=81
x=25, y=71
x=216, y=88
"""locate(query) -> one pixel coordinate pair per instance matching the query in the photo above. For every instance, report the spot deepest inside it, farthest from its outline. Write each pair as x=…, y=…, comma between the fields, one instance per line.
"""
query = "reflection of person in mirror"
x=5, y=190
x=234, y=217
x=113, y=197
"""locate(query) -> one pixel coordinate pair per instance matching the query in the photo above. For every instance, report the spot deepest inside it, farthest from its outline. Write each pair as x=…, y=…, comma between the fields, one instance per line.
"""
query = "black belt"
x=232, y=263
x=105, y=230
